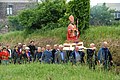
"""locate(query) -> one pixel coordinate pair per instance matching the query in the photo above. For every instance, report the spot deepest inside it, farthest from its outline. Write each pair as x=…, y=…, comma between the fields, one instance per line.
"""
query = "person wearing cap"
x=47, y=55
x=104, y=56
x=27, y=55
x=5, y=56
x=91, y=56
x=60, y=55
x=72, y=31
x=76, y=56
x=38, y=55
x=53, y=52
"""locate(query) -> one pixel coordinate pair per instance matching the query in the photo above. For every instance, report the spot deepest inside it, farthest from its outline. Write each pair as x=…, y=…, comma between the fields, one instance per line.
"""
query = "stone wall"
x=16, y=7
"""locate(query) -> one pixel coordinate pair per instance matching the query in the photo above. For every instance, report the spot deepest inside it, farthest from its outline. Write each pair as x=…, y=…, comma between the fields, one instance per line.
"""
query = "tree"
x=100, y=15
x=80, y=10
x=46, y=13
x=50, y=14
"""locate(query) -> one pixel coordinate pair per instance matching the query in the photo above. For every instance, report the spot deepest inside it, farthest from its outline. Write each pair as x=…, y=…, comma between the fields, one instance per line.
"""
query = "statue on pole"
x=72, y=31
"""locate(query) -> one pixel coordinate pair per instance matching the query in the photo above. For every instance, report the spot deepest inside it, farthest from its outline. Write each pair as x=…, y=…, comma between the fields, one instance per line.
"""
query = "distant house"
x=116, y=7
x=11, y=7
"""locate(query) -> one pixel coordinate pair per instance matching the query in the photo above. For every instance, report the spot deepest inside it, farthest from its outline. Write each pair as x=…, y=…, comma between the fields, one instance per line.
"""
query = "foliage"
x=80, y=9
x=14, y=23
x=50, y=14
x=1, y=25
x=101, y=15
x=37, y=71
x=45, y=14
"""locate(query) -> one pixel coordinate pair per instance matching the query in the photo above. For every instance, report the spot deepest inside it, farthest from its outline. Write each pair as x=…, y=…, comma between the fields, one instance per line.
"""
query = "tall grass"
x=37, y=71
x=93, y=34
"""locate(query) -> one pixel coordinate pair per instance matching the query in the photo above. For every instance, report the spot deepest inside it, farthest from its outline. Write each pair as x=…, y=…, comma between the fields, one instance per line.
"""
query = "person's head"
x=31, y=42
x=76, y=48
x=39, y=49
x=55, y=46
x=48, y=47
x=24, y=46
x=4, y=49
x=43, y=49
x=8, y=46
x=19, y=44
x=27, y=49
x=71, y=18
x=92, y=45
x=105, y=44
x=61, y=47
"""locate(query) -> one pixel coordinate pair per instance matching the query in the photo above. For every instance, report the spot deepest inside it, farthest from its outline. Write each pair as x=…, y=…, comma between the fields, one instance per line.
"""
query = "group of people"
x=22, y=54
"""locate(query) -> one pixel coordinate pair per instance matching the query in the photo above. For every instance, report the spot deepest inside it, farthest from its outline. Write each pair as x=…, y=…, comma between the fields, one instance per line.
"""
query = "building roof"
x=115, y=6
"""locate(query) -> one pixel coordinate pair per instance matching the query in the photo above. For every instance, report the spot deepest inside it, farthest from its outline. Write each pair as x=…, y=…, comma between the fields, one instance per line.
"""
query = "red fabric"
x=0, y=55
x=70, y=32
x=5, y=55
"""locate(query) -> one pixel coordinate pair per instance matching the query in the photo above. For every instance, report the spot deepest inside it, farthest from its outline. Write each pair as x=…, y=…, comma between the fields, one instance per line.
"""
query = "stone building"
x=12, y=7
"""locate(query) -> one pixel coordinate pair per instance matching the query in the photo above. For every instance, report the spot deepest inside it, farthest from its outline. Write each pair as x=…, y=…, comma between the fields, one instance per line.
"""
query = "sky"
x=94, y=2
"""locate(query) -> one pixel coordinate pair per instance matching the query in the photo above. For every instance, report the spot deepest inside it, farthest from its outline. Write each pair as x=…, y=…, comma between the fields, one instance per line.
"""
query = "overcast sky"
x=94, y=2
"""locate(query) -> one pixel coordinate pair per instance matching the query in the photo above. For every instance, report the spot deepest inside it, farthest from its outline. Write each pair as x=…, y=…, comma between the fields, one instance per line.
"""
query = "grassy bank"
x=93, y=34
x=36, y=71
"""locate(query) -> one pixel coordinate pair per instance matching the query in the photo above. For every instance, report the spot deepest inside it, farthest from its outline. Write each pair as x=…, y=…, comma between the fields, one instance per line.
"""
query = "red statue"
x=72, y=32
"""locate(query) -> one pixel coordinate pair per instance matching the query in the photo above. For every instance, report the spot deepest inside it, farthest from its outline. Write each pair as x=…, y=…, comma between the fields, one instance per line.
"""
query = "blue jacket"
x=104, y=55
x=47, y=56
x=73, y=56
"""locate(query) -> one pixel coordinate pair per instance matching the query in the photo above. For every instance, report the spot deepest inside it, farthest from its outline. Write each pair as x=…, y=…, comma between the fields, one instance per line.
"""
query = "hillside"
x=37, y=71
x=96, y=35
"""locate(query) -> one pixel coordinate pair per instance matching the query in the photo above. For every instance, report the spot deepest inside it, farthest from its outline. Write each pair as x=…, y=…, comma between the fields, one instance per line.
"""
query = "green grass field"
x=37, y=71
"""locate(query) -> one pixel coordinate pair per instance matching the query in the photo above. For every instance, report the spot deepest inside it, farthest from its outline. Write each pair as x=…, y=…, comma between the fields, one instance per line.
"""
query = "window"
x=115, y=14
x=118, y=15
x=10, y=10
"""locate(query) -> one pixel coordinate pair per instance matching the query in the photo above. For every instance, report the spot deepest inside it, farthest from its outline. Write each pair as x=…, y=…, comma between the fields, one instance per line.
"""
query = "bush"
x=14, y=23
x=101, y=15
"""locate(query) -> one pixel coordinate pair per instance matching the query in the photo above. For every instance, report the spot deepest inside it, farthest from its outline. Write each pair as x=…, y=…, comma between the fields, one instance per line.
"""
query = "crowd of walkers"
x=22, y=54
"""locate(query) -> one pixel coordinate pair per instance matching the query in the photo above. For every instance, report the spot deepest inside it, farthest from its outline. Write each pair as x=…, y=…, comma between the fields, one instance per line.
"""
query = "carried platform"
x=71, y=46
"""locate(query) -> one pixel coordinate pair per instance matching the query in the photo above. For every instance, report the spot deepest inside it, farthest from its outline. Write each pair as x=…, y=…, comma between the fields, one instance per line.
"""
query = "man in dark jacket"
x=38, y=55
x=61, y=56
x=32, y=48
x=104, y=56
x=76, y=55
x=91, y=56
x=53, y=52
